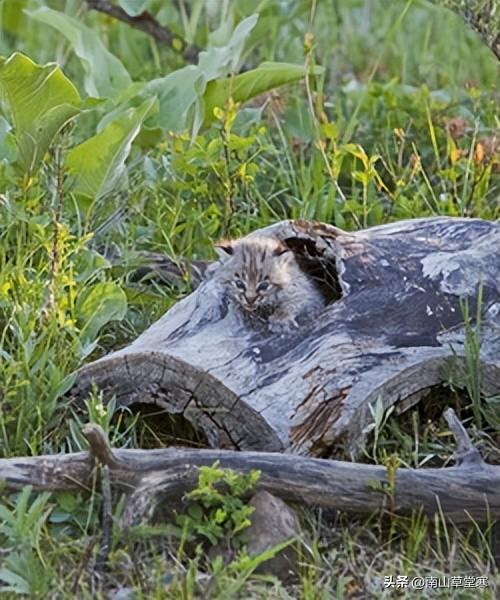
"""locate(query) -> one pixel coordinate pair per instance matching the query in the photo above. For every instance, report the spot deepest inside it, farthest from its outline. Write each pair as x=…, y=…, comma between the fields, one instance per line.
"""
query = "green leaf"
x=40, y=99
x=220, y=60
x=179, y=99
x=180, y=93
x=241, y=88
x=12, y=16
x=15, y=583
x=97, y=306
x=134, y=7
x=179, y=96
x=98, y=163
x=195, y=511
x=105, y=75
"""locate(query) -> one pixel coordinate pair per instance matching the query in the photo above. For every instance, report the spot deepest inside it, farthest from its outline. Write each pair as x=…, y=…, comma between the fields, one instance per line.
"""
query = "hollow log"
x=393, y=328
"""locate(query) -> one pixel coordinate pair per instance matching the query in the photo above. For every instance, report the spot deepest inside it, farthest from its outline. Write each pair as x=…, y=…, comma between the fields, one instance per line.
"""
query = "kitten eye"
x=263, y=286
x=239, y=284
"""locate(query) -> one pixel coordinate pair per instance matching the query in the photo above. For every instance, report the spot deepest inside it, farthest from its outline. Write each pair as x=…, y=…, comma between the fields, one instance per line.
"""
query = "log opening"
x=158, y=427
x=320, y=266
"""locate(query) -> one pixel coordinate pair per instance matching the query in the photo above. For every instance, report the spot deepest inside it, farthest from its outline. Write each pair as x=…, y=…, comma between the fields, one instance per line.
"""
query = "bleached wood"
x=159, y=478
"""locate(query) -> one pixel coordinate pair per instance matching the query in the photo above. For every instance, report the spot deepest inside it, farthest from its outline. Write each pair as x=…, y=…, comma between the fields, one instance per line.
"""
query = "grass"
x=403, y=123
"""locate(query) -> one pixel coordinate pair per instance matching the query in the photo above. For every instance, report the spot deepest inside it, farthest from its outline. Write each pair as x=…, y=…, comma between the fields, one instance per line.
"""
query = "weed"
x=401, y=123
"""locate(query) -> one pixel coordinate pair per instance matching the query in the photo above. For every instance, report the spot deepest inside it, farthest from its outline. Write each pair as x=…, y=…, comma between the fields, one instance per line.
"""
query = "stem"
x=56, y=217
x=365, y=205
x=229, y=207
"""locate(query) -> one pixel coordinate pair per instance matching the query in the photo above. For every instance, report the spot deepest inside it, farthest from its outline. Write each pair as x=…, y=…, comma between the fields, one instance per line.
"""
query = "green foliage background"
x=113, y=147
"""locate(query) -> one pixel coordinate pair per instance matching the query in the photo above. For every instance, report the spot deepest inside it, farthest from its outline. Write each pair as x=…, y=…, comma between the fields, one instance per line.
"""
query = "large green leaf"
x=180, y=94
x=179, y=99
x=98, y=163
x=241, y=88
x=105, y=75
x=217, y=61
x=179, y=102
x=12, y=16
x=97, y=306
x=40, y=99
x=186, y=100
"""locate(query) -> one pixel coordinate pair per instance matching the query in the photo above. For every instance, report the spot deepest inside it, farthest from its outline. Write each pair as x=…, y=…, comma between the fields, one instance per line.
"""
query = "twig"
x=148, y=24
x=99, y=446
x=84, y=561
x=107, y=520
x=100, y=449
x=465, y=454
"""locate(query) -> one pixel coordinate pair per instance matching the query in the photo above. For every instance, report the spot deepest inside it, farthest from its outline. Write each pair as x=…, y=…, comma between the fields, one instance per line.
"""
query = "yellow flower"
x=219, y=113
x=455, y=155
x=479, y=153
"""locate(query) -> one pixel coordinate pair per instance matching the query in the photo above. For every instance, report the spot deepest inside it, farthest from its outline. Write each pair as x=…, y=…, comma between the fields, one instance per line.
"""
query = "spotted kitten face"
x=255, y=271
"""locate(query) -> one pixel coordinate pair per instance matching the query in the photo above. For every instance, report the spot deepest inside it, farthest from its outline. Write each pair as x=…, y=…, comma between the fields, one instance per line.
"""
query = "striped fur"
x=263, y=278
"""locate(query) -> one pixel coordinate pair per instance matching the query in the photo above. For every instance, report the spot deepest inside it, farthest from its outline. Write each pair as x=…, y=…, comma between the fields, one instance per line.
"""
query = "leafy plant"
x=380, y=416
x=472, y=367
x=98, y=164
x=105, y=75
x=40, y=100
x=465, y=373
x=24, y=571
x=129, y=151
x=216, y=509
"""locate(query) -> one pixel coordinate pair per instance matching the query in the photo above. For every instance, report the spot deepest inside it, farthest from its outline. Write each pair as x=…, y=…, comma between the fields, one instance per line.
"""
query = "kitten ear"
x=224, y=249
x=281, y=249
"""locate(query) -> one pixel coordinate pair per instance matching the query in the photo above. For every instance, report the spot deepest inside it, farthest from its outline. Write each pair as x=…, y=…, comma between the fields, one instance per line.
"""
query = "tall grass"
x=401, y=123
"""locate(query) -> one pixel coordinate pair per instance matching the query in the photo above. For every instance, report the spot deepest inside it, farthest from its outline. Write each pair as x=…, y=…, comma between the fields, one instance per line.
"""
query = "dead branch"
x=160, y=477
x=99, y=446
x=148, y=24
x=106, y=520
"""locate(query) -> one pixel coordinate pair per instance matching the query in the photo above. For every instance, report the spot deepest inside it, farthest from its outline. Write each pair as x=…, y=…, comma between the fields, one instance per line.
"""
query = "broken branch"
x=465, y=454
x=146, y=23
x=464, y=492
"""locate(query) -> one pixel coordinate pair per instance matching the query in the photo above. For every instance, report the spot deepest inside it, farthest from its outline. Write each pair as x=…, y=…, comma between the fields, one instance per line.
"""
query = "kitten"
x=262, y=277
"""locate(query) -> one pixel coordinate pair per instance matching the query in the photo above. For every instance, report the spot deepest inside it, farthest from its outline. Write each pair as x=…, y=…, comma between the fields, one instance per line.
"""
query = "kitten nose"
x=250, y=301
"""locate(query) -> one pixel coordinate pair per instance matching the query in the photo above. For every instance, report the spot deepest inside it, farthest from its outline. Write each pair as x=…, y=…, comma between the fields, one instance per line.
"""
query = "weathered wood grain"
x=157, y=479
x=393, y=329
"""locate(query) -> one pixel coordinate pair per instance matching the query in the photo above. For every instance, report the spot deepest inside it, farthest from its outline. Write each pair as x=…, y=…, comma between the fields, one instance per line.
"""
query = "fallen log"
x=393, y=329
x=159, y=478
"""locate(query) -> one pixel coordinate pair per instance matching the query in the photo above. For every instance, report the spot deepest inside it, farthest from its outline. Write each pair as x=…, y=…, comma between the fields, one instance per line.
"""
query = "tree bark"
x=393, y=329
x=159, y=478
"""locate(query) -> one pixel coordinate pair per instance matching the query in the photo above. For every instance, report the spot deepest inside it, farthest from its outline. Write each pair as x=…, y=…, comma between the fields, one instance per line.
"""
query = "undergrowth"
x=401, y=123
